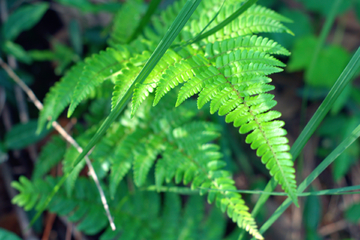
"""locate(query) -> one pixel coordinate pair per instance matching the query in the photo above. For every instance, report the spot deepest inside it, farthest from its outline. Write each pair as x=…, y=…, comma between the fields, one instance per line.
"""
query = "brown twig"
x=50, y=219
x=65, y=135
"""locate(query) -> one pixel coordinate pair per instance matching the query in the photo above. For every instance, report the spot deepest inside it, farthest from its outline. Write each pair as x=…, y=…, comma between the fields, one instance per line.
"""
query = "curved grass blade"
x=313, y=175
x=314, y=122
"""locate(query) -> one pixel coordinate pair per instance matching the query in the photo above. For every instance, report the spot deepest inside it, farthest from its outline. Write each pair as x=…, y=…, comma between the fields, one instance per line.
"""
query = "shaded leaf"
x=23, y=19
x=23, y=135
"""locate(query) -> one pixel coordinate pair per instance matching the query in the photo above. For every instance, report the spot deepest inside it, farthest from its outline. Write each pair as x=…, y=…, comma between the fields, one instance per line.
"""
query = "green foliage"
x=312, y=216
x=324, y=6
x=352, y=213
x=334, y=129
x=170, y=142
x=17, y=51
x=122, y=31
x=51, y=154
x=137, y=214
x=6, y=235
x=86, y=6
x=304, y=27
x=23, y=19
x=23, y=135
x=331, y=61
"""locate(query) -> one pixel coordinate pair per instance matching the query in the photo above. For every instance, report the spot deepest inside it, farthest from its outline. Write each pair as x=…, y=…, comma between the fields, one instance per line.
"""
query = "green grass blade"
x=323, y=35
x=319, y=115
x=314, y=122
x=335, y=191
x=144, y=20
x=164, y=44
x=189, y=191
x=313, y=175
x=320, y=44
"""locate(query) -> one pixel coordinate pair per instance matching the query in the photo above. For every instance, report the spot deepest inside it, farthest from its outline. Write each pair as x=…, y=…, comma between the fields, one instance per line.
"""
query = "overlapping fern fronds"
x=228, y=69
x=139, y=215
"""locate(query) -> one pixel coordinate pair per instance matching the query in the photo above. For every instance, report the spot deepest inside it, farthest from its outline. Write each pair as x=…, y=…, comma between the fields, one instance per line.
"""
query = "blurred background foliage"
x=45, y=38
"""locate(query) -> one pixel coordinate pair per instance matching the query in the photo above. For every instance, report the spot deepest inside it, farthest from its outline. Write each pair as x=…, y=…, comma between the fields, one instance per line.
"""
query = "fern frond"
x=125, y=21
x=59, y=96
x=219, y=180
x=246, y=104
x=179, y=73
x=249, y=24
x=123, y=157
x=123, y=81
x=143, y=90
x=197, y=83
x=137, y=214
x=232, y=66
x=144, y=156
x=264, y=11
x=125, y=78
x=50, y=155
x=96, y=69
x=253, y=42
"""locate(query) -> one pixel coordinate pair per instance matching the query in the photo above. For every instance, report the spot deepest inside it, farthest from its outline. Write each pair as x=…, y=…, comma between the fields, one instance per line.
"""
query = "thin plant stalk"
x=313, y=175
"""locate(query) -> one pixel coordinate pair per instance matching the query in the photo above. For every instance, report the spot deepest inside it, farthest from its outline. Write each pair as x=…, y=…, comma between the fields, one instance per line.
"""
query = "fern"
x=130, y=12
x=227, y=70
x=59, y=96
x=235, y=85
x=138, y=214
x=51, y=154
x=97, y=69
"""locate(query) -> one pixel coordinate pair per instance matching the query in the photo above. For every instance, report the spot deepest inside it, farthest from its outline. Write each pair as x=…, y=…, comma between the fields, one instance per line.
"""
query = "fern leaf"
x=144, y=158
x=197, y=83
x=249, y=108
x=244, y=56
x=177, y=74
x=59, y=96
x=123, y=157
x=263, y=11
x=261, y=44
x=122, y=31
x=126, y=77
x=50, y=155
x=96, y=69
x=143, y=90
x=249, y=24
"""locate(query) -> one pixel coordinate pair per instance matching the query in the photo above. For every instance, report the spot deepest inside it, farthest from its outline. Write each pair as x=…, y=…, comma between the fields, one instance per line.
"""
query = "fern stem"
x=65, y=135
